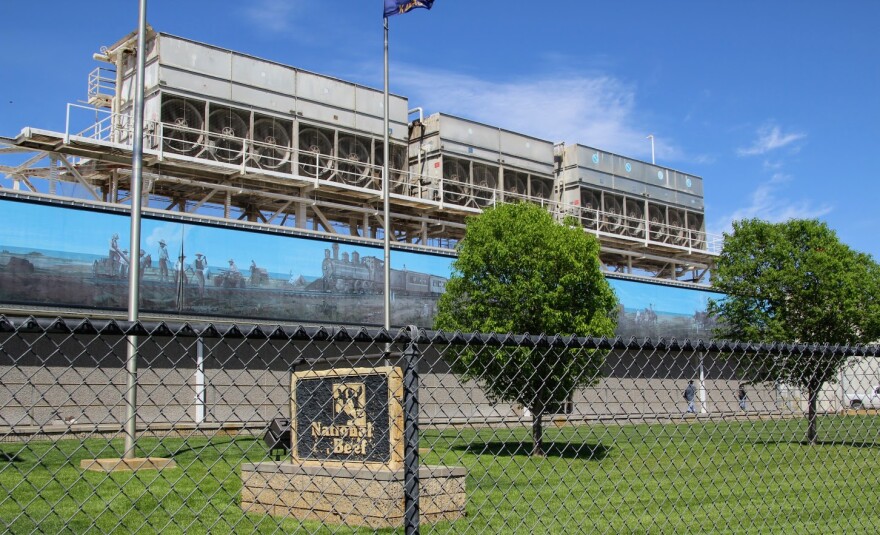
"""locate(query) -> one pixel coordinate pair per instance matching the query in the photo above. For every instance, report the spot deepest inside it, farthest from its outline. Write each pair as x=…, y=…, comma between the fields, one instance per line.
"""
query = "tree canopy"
x=519, y=271
x=795, y=282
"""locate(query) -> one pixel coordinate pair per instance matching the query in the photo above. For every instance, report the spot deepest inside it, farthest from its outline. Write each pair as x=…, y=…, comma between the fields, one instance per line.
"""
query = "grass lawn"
x=689, y=477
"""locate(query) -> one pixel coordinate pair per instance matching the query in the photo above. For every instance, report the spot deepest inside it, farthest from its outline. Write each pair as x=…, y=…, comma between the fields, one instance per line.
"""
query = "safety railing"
x=227, y=149
x=102, y=86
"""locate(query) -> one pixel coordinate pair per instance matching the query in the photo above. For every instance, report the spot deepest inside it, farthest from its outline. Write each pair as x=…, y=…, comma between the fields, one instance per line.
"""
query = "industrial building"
x=250, y=143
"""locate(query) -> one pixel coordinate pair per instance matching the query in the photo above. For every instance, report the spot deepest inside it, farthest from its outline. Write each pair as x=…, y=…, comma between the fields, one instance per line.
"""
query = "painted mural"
x=53, y=255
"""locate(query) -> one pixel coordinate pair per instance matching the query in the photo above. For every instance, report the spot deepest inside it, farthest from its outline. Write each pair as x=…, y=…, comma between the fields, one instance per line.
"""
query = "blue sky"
x=775, y=104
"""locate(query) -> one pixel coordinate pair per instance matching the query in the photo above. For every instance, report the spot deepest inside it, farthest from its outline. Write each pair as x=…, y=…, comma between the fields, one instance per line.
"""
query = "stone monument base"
x=354, y=496
x=126, y=465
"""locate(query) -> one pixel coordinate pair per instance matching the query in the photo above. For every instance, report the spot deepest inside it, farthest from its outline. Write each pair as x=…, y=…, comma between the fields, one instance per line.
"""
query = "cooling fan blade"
x=455, y=178
x=656, y=223
x=354, y=161
x=541, y=189
x=227, y=135
x=677, y=232
x=271, y=143
x=182, y=126
x=485, y=185
x=695, y=231
x=590, y=206
x=316, y=153
x=635, y=218
x=398, y=169
x=612, y=216
x=516, y=183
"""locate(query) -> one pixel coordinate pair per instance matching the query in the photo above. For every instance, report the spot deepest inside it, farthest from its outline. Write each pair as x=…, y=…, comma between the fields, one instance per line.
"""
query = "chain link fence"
x=426, y=430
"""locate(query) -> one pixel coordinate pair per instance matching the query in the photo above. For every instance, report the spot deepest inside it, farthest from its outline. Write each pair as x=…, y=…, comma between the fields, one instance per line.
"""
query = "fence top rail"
x=411, y=334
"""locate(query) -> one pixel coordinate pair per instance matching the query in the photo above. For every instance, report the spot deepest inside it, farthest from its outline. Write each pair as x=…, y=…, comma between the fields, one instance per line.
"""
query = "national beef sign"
x=348, y=415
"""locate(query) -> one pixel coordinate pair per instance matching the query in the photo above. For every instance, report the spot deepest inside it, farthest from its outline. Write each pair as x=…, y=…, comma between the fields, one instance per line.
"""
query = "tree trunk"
x=813, y=393
x=537, y=433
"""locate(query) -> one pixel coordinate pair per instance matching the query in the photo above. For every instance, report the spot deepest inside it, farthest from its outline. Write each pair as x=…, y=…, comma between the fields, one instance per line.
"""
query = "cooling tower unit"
x=316, y=153
x=489, y=164
x=639, y=200
x=271, y=143
x=183, y=123
x=227, y=134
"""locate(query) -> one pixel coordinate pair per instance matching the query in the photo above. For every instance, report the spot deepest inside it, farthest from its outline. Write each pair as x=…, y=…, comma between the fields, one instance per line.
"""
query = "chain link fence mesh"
x=634, y=436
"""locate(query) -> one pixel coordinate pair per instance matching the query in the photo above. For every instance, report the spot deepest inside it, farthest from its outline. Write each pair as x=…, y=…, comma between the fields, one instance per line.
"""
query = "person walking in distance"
x=690, y=394
x=163, y=261
x=741, y=396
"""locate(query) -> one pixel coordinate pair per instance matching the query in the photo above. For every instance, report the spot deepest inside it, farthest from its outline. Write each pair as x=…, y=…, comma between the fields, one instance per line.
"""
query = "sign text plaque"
x=347, y=416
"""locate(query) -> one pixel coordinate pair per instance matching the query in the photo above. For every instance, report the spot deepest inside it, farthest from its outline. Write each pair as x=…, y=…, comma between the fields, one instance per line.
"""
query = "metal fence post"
x=200, y=382
x=134, y=267
x=411, y=433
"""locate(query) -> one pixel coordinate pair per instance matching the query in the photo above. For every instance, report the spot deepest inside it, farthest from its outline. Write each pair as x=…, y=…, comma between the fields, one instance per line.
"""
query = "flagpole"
x=386, y=206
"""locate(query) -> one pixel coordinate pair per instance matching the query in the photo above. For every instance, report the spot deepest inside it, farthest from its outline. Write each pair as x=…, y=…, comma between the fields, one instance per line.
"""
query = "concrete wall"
x=46, y=379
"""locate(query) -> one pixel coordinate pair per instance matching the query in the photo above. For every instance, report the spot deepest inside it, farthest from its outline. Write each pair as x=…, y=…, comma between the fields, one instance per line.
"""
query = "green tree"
x=795, y=282
x=519, y=271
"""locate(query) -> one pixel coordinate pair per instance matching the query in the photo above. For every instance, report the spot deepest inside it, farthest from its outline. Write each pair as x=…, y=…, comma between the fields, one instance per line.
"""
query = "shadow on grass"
x=212, y=444
x=564, y=450
x=10, y=458
x=848, y=443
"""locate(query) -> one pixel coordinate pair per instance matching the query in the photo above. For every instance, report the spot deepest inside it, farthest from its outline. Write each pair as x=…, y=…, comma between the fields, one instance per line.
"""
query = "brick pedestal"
x=354, y=496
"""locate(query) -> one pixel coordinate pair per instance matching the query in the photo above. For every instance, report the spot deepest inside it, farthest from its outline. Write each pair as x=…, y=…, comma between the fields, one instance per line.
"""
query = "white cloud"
x=770, y=137
x=596, y=110
x=272, y=15
x=770, y=203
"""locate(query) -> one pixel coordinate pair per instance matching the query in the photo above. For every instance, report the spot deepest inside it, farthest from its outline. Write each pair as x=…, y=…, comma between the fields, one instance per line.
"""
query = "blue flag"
x=398, y=7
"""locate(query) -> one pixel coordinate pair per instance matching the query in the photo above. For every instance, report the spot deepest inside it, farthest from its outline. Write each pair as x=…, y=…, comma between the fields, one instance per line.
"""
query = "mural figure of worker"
x=115, y=256
x=123, y=263
x=180, y=271
x=200, y=265
x=257, y=274
x=144, y=262
x=163, y=261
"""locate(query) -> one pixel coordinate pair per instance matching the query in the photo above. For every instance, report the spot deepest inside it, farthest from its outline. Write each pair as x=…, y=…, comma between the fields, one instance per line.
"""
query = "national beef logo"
x=350, y=431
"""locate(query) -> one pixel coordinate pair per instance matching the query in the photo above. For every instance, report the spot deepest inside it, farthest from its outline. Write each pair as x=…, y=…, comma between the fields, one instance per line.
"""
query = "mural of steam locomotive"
x=365, y=275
